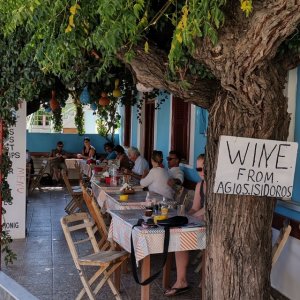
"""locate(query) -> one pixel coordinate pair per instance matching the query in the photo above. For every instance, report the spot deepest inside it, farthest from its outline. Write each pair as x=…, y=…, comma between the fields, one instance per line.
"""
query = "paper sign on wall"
x=255, y=167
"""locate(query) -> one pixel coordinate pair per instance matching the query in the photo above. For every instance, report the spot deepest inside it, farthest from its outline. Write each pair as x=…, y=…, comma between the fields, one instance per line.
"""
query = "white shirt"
x=177, y=173
x=140, y=165
x=157, y=181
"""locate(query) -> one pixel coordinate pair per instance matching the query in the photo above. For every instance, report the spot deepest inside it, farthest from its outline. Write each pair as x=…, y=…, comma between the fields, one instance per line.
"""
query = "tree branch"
x=247, y=44
x=150, y=69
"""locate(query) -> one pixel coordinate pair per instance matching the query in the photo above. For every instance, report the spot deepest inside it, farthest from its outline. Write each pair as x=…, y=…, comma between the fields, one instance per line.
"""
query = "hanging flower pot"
x=54, y=104
x=103, y=101
x=85, y=96
x=93, y=106
x=117, y=92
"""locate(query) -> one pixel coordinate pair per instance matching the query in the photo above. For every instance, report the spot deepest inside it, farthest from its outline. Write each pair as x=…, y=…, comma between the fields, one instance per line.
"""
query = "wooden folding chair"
x=76, y=202
x=281, y=241
x=28, y=177
x=96, y=214
x=107, y=261
x=36, y=178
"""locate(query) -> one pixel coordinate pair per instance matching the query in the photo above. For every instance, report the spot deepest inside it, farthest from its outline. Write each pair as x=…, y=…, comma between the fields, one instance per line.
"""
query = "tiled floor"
x=45, y=267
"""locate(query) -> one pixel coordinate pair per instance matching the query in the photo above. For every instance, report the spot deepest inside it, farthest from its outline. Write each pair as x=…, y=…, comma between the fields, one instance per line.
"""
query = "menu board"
x=14, y=218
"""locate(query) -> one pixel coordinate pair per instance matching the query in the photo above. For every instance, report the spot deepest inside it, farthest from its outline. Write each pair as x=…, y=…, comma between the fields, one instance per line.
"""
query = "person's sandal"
x=176, y=291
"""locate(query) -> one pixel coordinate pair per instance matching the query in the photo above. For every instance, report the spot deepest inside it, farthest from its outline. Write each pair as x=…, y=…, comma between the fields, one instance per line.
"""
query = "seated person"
x=110, y=151
x=177, y=175
x=123, y=158
x=141, y=166
x=158, y=176
x=29, y=161
x=88, y=151
x=198, y=210
x=57, y=161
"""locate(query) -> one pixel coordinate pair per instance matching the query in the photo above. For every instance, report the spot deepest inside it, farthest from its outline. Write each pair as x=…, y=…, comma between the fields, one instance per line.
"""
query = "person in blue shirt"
x=109, y=150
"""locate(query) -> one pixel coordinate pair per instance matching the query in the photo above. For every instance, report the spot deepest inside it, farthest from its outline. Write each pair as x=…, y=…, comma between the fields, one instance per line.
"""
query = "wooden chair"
x=76, y=202
x=188, y=199
x=96, y=214
x=28, y=177
x=281, y=241
x=36, y=178
x=180, y=193
x=107, y=261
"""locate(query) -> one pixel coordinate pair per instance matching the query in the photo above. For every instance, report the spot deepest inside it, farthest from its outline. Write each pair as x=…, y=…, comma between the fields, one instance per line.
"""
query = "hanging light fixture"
x=85, y=96
x=48, y=109
x=117, y=92
x=141, y=88
x=54, y=104
x=103, y=101
x=93, y=106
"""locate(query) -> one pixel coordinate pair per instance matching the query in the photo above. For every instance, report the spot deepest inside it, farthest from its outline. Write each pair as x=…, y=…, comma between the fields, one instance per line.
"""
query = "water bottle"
x=148, y=200
x=113, y=173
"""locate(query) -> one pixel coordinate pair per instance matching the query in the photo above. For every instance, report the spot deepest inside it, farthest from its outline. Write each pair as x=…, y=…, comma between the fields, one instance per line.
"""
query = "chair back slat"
x=281, y=241
x=107, y=262
x=96, y=214
x=67, y=182
x=36, y=178
x=71, y=238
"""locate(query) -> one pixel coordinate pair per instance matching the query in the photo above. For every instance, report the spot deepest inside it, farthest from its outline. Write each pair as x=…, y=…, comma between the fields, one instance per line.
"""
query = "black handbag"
x=176, y=221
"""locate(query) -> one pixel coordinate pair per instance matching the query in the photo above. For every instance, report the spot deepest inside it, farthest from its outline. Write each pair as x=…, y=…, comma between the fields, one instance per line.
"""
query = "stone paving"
x=45, y=267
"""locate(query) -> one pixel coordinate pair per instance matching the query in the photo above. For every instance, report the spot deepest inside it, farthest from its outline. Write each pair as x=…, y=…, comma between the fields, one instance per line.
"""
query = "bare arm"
x=197, y=201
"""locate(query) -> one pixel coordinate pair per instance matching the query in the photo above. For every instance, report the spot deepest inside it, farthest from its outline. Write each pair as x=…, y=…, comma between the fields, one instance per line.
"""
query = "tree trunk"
x=239, y=245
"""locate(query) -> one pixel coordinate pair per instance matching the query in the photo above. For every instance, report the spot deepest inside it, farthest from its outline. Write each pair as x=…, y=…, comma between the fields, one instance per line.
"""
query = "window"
x=180, y=135
x=41, y=118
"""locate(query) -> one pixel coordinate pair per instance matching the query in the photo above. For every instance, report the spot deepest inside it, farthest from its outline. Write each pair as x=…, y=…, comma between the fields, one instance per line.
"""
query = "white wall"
x=16, y=213
x=285, y=275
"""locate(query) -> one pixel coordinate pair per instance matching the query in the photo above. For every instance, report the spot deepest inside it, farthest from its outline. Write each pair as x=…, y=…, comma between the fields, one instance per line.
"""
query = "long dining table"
x=108, y=197
x=150, y=241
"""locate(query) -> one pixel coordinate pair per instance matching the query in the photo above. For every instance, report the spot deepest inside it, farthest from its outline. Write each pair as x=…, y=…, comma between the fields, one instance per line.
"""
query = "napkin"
x=125, y=186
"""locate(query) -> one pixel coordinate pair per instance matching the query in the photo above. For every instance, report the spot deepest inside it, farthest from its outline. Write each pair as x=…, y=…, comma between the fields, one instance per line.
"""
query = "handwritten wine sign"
x=255, y=167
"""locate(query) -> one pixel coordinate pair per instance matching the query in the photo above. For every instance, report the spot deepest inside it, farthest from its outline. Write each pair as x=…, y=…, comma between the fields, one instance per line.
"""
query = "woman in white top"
x=158, y=176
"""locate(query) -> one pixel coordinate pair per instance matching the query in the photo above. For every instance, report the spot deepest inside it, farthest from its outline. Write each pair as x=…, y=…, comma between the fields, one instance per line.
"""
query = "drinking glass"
x=181, y=210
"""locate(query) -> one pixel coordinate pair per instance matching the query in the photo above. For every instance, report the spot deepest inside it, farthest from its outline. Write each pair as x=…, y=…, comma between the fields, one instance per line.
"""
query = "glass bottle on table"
x=148, y=201
x=113, y=170
x=164, y=207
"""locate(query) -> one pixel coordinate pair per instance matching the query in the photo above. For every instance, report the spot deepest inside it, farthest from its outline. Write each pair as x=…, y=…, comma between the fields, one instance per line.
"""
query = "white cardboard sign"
x=16, y=143
x=255, y=167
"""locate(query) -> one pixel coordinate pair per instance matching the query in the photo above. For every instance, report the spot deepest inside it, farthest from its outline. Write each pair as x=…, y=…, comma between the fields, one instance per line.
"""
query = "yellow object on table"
x=164, y=211
x=159, y=218
x=123, y=197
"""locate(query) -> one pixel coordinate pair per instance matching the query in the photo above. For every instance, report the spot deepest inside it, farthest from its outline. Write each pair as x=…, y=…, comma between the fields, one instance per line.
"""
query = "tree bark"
x=150, y=69
x=239, y=227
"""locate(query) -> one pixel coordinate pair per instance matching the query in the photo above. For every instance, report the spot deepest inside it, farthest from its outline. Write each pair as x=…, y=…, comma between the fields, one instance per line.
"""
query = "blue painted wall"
x=201, y=123
x=73, y=143
x=163, y=126
x=296, y=191
x=134, y=127
x=198, y=138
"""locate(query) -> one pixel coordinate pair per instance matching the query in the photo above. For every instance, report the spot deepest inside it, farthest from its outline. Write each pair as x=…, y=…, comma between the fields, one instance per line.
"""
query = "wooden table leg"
x=167, y=271
x=117, y=272
x=145, y=273
x=203, y=262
